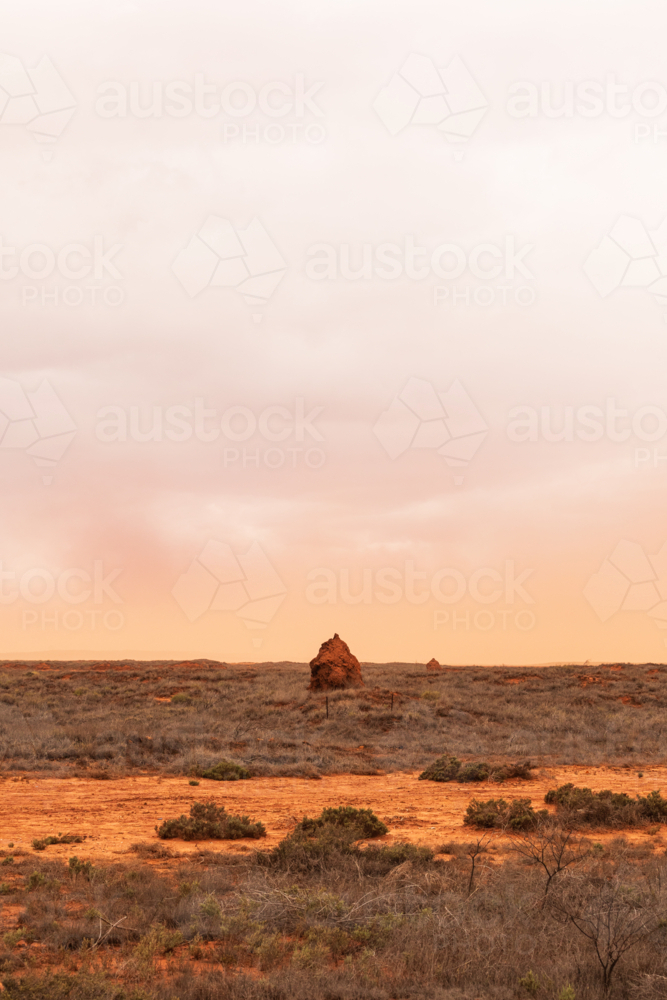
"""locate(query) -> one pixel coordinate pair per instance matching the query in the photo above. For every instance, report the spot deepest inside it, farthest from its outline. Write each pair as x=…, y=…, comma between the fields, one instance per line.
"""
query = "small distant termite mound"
x=433, y=664
x=335, y=667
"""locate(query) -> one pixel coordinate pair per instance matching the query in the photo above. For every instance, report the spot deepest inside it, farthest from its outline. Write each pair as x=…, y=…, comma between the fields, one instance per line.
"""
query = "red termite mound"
x=335, y=667
x=433, y=664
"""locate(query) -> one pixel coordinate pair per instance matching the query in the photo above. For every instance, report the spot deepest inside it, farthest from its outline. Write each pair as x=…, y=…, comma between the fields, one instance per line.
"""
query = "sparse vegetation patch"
x=497, y=813
x=577, y=806
x=210, y=822
x=451, y=769
x=226, y=770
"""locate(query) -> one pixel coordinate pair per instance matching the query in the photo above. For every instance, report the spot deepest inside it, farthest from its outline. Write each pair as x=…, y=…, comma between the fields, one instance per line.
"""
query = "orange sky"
x=334, y=317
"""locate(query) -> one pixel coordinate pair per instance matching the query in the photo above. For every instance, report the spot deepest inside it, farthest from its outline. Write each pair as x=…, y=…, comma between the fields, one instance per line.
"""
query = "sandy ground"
x=116, y=814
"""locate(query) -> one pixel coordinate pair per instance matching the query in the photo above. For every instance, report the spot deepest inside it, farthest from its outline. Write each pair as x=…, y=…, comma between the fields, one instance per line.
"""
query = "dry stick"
x=111, y=927
x=473, y=854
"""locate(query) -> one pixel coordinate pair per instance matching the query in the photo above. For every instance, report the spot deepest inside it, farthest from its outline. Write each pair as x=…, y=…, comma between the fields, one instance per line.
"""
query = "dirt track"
x=115, y=814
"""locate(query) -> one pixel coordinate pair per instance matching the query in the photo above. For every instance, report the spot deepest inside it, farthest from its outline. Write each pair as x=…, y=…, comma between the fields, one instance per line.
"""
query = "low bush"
x=153, y=850
x=493, y=813
x=451, y=769
x=83, y=868
x=40, y=844
x=64, y=986
x=584, y=807
x=327, y=840
x=378, y=860
x=474, y=772
x=363, y=823
x=210, y=822
x=519, y=770
x=442, y=769
x=226, y=770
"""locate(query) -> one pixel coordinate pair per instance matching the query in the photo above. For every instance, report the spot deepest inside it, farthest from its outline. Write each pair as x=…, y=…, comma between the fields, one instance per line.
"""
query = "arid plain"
x=96, y=756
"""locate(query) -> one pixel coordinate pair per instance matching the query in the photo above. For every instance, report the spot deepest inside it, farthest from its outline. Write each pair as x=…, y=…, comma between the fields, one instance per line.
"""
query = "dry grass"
x=374, y=924
x=98, y=720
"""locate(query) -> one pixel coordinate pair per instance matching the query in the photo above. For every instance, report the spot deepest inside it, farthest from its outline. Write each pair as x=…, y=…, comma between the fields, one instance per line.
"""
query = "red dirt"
x=118, y=813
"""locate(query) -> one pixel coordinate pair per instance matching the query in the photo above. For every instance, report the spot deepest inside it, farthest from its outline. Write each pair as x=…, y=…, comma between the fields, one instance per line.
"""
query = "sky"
x=334, y=317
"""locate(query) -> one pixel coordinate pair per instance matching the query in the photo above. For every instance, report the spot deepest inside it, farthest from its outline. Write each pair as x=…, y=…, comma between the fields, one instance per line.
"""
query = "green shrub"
x=181, y=699
x=363, y=823
x=9, y=860
x=42, y=843
x=530, y=982
x=443, y=769
x=474, y=772
x=379, y=860
x=653, y=806
x=518, y=770
x=157, y=941
x=493, y=813
x=397, y=854
x=85, y=868
x=12, y=938
x=583, y=807
x=451, y=769
x=226, y=770
x=210, y=822
x=34, y=881
x=325, y=840
x=63, y=986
